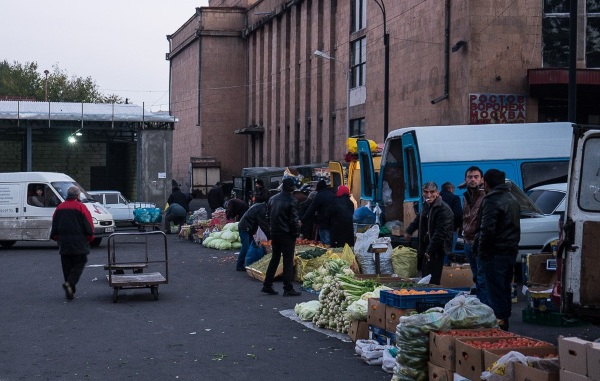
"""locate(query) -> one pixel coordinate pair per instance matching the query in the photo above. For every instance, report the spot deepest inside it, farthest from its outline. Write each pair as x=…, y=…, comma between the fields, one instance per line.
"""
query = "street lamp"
x=46, y=86
x=326, y=56
x=386, y=86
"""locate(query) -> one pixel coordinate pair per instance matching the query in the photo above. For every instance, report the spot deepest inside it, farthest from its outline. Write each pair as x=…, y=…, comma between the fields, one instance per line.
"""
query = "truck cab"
x=579, y=253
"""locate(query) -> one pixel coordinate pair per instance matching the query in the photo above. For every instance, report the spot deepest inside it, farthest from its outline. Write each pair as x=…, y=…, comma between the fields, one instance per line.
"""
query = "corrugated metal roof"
x=102, y=112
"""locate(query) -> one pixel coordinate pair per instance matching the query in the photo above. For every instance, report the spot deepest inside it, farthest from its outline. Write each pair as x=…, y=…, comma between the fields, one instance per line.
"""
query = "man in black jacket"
x=497, y=242
x=435, y=223
x=320, y=205
x=73, y=229
x=254, y=218
x=284, y=227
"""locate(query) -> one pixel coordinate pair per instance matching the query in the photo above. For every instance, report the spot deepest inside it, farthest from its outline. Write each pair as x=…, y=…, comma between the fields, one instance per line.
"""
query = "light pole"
x=326, y=56
x=386, y=86
x=46, y=86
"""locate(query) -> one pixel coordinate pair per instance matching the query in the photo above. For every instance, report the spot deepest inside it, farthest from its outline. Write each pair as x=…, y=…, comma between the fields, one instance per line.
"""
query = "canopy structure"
x=30, y=122
x=106, y=119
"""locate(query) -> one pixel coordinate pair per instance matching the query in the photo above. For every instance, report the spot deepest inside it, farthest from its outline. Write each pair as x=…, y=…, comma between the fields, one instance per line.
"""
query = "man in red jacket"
x=73, y=229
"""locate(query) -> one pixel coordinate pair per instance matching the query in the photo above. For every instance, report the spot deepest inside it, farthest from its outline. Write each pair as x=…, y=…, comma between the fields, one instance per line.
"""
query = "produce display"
x=493, y=332
x=307, y=310
x=316, y=279
x=314, y=252
x=509, y=342
x=406, y=291
x=226, y=239
x=335, y=298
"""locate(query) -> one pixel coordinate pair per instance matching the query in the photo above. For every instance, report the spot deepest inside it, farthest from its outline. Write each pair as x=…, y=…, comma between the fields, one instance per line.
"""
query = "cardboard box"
x=456, y=277
x=392, y=317
x=490, y=356
x=565, y=375
x=359, y=330
x=572, y=352
x=537, y=272
x=442, y=347
x=437, y=373
x=376, y=313
x=593, y=361
x=469, y=359
x=527, y=373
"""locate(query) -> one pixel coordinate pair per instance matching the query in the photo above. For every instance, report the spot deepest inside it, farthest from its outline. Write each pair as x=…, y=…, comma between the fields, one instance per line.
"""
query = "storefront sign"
x=496, y=108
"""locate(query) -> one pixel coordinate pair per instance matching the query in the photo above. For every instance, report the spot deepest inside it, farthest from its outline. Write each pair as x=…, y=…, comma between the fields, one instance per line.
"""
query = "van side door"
x=37, y=217
x=412, y=168
x=368, y=180
x=580, y=292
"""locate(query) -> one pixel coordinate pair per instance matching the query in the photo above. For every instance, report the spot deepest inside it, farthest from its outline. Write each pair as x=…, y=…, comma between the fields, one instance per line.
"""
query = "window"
x=358, y=62
x=359, y=15
x=357, y=128
x=592, y=34
x=537, y=173
x=589, y=192
x=555, y=33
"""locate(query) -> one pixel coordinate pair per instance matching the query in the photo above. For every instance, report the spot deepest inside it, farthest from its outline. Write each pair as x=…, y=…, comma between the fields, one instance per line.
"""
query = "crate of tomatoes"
x=470, y=351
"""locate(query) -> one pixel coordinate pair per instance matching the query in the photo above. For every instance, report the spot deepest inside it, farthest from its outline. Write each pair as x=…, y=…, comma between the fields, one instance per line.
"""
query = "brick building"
x=249, y=90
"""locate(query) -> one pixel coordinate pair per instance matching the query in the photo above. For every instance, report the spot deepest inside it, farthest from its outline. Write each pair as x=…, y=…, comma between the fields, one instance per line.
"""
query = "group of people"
x=490, y=225
x=281, y=221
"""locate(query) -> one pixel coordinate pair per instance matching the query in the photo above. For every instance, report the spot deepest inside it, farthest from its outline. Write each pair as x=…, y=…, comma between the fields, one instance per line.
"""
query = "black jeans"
x=498, y=270
x=433, y=266
x=283, y=245
x=72, y=267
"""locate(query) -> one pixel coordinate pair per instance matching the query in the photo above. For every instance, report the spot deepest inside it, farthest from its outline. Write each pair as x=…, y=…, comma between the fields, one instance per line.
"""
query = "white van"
x=26, y=215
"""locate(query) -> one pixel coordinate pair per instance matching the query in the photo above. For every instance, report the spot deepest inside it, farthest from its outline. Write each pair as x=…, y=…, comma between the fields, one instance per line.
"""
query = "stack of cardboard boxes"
x=579, y=359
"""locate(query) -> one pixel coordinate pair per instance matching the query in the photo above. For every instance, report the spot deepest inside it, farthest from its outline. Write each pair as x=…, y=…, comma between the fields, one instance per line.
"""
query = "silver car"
x=119, y=206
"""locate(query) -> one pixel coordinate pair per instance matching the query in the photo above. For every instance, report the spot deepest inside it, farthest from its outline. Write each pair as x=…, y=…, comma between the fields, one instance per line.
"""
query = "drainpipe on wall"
x=446, y=57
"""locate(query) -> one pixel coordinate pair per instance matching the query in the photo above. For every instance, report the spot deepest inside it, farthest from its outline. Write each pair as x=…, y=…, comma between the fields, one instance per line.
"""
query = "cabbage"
x=307, y=310
x=358, y=310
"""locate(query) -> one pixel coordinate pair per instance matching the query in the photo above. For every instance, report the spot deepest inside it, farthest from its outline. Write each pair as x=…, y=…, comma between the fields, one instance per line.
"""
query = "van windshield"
x=63, y=186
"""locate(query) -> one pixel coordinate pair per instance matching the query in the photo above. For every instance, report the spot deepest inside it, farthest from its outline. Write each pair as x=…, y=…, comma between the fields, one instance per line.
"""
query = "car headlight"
x=95, y=220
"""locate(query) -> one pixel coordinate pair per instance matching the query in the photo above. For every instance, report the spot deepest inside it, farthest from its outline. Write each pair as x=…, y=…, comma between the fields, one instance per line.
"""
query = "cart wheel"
x=115, y=294
x=154, y=290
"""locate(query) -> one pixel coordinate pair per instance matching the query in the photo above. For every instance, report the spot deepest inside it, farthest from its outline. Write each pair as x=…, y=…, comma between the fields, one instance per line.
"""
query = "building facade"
x=286, y=82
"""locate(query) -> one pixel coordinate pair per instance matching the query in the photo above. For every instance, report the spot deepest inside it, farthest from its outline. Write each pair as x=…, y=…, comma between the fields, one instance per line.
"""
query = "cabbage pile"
x=226, y=239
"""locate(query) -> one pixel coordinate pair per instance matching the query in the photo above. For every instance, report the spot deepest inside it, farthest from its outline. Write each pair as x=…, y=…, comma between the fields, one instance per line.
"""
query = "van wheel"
x=7, y=244
x=96, y=242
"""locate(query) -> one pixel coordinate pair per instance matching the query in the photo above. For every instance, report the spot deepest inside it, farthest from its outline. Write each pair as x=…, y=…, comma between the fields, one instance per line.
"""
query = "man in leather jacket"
x=282, y=211
x=497, y=242
x=435, y=223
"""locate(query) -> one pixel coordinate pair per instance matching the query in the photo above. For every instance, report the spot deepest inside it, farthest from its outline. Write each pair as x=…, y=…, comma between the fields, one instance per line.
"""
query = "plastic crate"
x=410, y=301
x=382, y=336
x=549, y=318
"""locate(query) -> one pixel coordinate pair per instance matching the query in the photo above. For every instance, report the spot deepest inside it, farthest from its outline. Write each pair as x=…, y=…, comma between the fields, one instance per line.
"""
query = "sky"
x=120, y=44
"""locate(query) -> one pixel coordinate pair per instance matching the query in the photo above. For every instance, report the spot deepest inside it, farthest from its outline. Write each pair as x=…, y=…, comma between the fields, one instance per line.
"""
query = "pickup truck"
x=119, y=206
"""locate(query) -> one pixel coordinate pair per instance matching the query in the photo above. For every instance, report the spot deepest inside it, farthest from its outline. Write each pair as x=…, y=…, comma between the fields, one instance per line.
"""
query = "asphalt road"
x=210, y=322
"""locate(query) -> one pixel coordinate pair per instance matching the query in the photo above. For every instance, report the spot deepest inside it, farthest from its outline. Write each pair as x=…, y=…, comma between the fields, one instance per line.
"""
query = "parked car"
x=538, y=230
x=551, y=198
x=119, y=206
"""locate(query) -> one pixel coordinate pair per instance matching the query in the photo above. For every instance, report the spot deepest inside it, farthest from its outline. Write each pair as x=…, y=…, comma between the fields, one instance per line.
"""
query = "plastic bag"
x=389, y=359
x=412, y=340
x=404, y=261
x=387, y=194
x=361, y=247
x=385, y=258
x=504, y=368
x=260, y=236
x=360, y=344
x=363, y=215
x=469, y=312
x=255, y=252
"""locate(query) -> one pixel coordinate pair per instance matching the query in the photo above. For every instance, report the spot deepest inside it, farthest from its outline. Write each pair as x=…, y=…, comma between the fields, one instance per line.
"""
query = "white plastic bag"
x=469, y=312
x=504, y=368
x=260, y=236
x=388, y=361
x=361, y=249
x=360, y=344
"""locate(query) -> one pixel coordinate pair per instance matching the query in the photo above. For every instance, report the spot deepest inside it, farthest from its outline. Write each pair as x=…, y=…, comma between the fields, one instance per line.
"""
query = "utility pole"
x=46, y=86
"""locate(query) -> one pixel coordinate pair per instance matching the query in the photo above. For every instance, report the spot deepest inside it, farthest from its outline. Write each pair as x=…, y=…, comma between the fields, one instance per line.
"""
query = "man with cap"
x=282, y=211
x=73, y=229
x=261, y=194
x=319, y=206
